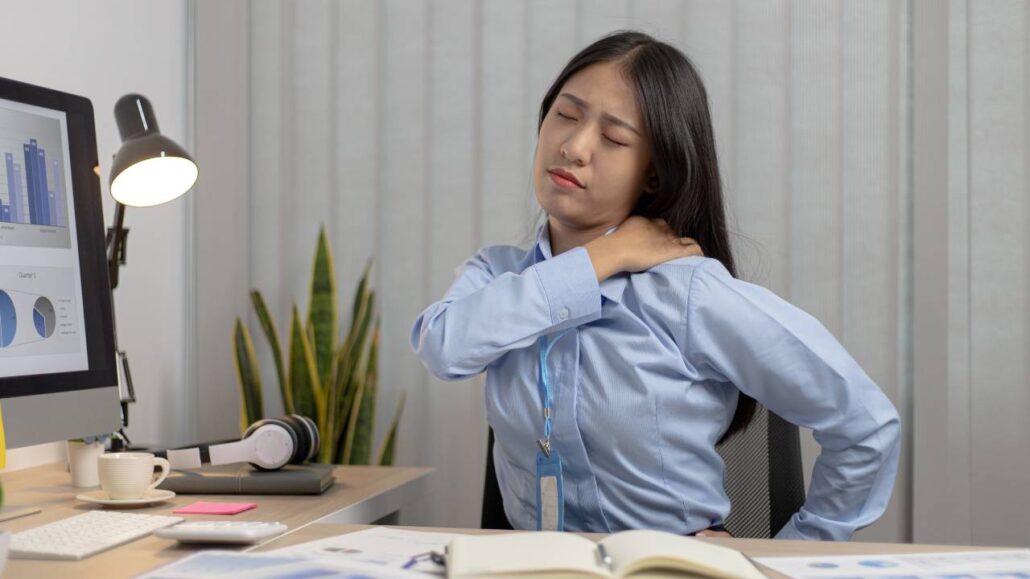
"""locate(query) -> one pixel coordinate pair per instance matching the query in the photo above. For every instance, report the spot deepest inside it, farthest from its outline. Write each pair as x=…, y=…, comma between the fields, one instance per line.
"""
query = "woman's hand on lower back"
x=638, y=245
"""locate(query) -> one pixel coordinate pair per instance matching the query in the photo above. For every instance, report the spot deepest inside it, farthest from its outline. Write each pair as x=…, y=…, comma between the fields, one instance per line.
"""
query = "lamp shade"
x=149, y=168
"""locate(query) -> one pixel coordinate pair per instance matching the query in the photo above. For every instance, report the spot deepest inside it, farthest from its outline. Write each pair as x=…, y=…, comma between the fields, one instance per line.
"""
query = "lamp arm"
x=117, y=238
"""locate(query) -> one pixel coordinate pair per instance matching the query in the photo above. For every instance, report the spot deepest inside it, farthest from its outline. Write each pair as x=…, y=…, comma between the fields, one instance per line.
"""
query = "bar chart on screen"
x=33, y=181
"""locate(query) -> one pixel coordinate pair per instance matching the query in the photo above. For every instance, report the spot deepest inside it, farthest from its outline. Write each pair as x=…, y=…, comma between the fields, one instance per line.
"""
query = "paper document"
x=212, y=564
x=383, y=546
x=1008, y=564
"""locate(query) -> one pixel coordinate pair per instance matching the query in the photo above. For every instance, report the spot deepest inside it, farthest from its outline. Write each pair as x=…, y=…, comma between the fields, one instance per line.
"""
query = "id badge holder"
x=550, y=497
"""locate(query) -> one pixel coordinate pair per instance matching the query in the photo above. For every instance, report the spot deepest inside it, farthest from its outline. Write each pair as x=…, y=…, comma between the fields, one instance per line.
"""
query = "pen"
x=603, y=555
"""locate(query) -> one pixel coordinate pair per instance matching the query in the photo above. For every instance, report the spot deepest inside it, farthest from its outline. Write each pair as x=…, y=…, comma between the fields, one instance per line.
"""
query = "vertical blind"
x=408, y=129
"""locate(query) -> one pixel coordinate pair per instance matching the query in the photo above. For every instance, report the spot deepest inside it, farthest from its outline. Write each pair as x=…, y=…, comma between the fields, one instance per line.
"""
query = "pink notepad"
x=205, y=508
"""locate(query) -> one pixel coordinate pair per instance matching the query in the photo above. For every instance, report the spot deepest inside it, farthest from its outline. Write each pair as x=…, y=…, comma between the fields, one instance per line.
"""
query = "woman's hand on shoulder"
x=638, y=245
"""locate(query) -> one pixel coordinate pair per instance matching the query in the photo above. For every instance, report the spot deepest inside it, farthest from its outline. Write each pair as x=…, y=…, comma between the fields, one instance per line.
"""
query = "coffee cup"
x=129, y=475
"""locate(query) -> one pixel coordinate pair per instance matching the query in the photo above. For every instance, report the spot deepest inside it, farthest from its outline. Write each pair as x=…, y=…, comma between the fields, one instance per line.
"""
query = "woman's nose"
x=577, y=149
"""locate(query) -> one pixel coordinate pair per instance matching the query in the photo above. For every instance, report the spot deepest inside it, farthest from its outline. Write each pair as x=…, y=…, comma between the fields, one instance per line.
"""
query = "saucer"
x=100, y=497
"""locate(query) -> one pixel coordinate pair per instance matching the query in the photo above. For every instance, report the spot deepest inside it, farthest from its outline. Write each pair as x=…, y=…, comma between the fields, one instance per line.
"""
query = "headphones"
x=268, y=444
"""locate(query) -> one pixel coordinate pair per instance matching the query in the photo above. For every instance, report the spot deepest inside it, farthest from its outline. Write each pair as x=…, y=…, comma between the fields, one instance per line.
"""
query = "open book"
x=625, y=554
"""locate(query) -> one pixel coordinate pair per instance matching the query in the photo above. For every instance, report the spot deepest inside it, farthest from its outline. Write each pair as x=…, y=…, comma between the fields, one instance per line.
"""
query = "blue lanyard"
x=545, y=390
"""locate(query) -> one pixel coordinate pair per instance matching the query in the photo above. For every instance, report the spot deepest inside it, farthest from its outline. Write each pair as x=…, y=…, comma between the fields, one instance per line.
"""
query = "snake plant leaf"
x=386, y=449
x=364, y=427
x=268, y=326
x=322, y=315
x=347, y=388
x=304, y=383
x=361, y=315
x=364, y=395
x=248, y=374
x=363, y=288
x=347, y=447
x=334, y=420
x=351, y=354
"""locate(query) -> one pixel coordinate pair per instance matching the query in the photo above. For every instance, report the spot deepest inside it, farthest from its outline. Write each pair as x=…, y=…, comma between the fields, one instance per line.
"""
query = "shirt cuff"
x=570, y=284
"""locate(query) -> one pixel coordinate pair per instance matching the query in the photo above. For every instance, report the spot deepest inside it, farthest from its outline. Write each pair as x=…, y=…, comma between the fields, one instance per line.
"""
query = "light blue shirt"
x=647, y=382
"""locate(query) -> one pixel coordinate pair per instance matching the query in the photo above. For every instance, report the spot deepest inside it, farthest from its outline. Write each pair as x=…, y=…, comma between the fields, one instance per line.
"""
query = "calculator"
x=222, y=531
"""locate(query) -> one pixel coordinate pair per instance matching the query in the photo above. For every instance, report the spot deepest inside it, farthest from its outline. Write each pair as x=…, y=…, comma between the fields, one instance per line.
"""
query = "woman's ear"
x=651, y=185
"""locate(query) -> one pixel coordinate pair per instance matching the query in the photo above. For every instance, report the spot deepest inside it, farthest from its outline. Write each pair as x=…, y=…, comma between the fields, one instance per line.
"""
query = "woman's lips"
x=562, y=181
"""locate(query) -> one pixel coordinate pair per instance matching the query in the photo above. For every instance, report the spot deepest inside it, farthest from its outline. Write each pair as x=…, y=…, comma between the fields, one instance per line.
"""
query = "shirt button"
x=563, y=314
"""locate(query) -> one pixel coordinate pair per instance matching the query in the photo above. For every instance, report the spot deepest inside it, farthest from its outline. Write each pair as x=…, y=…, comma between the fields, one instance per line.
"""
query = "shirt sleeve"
x=785, y=359
x=484, y=315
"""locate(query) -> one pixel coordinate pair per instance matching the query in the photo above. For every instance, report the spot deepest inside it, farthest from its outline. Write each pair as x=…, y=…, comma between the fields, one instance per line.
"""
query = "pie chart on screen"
x=8, y=320
x=44, y=317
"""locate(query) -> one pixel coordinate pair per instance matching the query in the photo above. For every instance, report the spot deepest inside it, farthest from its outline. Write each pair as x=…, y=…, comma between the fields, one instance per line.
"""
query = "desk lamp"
x=149, y=169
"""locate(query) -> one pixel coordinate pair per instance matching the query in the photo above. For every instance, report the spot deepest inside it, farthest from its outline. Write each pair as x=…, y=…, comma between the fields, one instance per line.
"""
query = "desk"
x=362, y=494
x=750, y=547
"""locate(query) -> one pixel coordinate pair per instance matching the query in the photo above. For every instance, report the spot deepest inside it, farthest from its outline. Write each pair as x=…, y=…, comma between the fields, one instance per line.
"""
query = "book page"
x=520, y=554
x=634, y=551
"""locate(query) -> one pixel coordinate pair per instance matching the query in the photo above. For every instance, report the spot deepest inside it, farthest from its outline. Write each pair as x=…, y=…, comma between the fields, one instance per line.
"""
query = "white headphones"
x=268, y=444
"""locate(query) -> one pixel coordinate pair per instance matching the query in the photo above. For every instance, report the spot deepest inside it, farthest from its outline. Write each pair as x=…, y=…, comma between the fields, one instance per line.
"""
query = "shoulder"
x=702, y=284
x=662, y=296
x=680, y=275
x=499, y=259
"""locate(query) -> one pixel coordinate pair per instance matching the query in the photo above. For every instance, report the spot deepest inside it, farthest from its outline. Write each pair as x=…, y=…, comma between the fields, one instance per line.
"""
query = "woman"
x=617, y=355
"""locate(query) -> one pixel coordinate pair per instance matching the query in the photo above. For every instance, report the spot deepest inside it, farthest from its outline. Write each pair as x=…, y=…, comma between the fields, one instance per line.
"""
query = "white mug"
x=129, y=475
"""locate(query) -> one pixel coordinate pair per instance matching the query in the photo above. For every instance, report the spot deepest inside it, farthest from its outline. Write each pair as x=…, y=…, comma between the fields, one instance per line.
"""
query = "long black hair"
x=688, y=192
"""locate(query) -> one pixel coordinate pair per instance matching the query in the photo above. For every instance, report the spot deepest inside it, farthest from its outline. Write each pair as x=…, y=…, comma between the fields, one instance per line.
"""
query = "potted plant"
x=335, y=384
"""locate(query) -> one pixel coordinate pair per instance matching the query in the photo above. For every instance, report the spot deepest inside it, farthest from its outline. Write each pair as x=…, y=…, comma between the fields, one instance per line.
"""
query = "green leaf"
x=363, y=288
x=322, y=315
x=357, y=432
x=364, y=427
x=248, y=375
x=386, y=450
x=347, y=388
x=361, y=309
x=268, y=325
x=348, y=434
x=304, y=382
x=349, y=371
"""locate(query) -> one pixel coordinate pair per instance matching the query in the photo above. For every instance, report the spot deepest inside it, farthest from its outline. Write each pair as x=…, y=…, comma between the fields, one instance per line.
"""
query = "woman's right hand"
x=638, y=245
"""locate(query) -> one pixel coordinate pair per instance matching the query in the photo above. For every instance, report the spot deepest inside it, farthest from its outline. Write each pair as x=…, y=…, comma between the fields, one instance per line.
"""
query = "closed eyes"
x=606, y=137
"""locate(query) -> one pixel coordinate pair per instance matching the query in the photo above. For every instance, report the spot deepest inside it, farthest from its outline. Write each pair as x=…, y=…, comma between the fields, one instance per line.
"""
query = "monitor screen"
x=41, y=312
x=57, y=355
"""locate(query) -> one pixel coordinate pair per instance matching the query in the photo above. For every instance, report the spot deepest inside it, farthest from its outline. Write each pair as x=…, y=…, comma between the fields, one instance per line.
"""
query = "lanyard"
x=545, y=391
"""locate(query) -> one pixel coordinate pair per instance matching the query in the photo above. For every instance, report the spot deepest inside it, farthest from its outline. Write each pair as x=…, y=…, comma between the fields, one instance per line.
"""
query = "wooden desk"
x=362, y=494
x=750, y=547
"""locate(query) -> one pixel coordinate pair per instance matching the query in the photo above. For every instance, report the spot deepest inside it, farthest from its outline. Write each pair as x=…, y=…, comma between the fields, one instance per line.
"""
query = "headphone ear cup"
x=315, y=440
x=315, y=437
x=303, y=446
x=273, y=422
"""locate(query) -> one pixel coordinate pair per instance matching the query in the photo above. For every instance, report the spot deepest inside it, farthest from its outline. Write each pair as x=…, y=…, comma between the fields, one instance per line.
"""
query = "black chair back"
x=764, y=478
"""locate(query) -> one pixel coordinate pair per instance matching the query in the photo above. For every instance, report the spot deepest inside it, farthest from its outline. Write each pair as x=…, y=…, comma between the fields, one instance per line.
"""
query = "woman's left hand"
x=711, y=533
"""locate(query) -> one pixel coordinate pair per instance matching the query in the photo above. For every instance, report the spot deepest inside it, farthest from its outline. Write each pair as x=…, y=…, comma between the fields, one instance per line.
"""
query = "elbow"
x=429, y=344
x=891, y=427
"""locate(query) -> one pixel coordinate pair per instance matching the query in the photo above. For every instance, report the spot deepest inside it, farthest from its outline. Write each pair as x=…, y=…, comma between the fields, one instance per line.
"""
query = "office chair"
x=764, y=478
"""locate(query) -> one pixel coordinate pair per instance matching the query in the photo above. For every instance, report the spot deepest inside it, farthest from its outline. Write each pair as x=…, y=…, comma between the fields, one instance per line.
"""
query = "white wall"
x=102, y=51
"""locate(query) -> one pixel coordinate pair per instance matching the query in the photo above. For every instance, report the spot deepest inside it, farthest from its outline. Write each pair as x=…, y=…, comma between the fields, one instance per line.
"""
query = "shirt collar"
x=611, y=288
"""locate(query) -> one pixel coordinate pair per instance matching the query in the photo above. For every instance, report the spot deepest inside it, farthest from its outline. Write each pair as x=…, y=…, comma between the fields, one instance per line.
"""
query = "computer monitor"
x=58, y=377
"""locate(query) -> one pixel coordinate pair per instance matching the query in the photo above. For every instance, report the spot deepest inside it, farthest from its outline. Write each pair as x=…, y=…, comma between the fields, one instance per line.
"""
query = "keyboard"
x=83, y=535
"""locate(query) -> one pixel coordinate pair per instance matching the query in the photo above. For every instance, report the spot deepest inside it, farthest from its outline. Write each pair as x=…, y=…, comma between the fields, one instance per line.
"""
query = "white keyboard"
x=83, y=535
